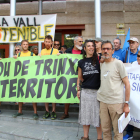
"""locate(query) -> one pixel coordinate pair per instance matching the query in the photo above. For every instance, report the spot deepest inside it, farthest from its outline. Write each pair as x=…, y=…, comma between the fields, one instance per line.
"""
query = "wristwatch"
x=127, y=102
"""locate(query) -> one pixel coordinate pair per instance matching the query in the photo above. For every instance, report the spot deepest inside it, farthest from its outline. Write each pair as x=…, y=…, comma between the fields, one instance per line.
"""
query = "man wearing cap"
x=130, y=55
x=133, y=43
x=118, y=51
x=98, y=42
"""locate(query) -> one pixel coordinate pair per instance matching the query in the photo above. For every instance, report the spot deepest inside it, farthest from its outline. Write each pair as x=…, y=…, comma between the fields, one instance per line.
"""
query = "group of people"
x=100, y=84
x=50, y=48
x=101, y=80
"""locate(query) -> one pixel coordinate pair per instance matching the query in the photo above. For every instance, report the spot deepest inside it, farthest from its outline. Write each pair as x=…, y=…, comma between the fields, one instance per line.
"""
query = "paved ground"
x=25, y=128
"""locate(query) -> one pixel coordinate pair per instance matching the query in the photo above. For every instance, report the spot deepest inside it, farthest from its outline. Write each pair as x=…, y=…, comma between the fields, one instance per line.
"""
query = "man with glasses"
x=57, y=46
x=76, y=49
x=130, y=55
x=113, y=75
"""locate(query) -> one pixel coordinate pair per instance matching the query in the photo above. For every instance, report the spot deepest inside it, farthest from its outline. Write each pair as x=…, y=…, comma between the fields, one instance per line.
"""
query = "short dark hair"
x=64, y=46
x=48, y=37
x=25, y=41
x=118, y=39
x=107, y=41
x=57, y=40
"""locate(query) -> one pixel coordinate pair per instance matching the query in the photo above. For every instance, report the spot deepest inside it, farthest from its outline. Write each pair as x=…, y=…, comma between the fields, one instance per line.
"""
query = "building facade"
x=77, y=17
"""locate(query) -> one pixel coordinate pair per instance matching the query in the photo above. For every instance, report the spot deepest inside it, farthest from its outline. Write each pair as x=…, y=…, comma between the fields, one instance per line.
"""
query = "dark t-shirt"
x=91, y=74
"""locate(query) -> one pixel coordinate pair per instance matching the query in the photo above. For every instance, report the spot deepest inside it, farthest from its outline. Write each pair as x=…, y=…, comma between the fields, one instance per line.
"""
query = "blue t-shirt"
x=118, y=54
x=131, y=56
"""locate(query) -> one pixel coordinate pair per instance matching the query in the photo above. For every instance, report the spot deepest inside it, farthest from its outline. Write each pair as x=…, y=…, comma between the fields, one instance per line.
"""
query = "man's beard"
x=79, y=47
x=25, y=49
x=48, y=47
x=106, y=57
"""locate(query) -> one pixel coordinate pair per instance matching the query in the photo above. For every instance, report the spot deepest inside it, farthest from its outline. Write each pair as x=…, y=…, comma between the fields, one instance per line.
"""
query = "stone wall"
x=82, y=12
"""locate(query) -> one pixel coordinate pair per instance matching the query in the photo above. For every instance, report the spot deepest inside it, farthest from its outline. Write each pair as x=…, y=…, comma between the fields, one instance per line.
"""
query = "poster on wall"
x=32, y=28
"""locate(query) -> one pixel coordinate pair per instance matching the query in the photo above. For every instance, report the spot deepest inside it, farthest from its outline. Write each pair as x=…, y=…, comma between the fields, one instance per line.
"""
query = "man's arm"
x=127, y=95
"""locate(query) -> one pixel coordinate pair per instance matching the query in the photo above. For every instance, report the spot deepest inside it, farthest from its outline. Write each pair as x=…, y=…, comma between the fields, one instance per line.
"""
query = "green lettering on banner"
x=34, y=79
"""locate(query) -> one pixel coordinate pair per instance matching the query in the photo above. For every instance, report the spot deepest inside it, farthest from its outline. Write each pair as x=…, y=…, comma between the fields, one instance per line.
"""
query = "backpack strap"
x=19, y=54
x=51, y=51
x=126, y=56
x=31, y=53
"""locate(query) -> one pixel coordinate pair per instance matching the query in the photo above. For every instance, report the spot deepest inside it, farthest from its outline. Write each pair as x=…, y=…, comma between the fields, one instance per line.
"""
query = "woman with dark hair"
x=89, y=76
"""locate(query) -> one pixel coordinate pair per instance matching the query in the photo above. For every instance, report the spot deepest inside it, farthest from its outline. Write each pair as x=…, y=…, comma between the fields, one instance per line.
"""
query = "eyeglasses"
x=131, y=42
x=138, y=55
x=106, y=49
x=17, y=50
x=56, y=44
x=80, y=41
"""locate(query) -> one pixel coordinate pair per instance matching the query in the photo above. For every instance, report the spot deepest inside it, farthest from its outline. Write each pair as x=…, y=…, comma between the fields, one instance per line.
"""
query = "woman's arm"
x=79, y=79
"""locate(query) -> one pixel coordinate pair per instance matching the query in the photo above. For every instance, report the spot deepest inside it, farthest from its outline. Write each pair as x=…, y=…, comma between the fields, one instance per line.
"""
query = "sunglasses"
x=138, y=55
x=131, y=42
x=56, y=44
x=17, y=50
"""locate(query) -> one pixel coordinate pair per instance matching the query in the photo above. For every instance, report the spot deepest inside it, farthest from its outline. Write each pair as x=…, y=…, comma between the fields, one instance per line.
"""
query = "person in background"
x=130, y=128
x=63, y=48
x=98, y=42
x=34, y=49
x=17, y=49
x=76, y=49
x=89, y=74
x=118, y=51
x=57, y=46
x=130, y=54
x=24, y=53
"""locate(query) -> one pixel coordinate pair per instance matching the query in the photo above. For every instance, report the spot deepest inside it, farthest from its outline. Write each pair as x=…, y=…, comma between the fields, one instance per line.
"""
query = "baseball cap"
x=98, y=39
x=133, y=39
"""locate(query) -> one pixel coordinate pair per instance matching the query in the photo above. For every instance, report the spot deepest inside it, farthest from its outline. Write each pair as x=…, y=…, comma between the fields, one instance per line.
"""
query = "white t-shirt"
x=112, y=86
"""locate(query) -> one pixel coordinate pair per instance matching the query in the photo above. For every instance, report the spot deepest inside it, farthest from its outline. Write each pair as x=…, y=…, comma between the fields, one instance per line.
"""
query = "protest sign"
x=31, y=28
x=134, y=79
x=50, y=78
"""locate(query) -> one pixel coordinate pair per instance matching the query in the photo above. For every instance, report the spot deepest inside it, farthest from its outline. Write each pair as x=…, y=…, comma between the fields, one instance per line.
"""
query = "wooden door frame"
x=6, y=47
x=69, y=29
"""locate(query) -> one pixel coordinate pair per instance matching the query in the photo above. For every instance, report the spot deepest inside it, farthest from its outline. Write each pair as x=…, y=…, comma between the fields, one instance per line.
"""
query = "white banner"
x=134, y=79
x=32, y=28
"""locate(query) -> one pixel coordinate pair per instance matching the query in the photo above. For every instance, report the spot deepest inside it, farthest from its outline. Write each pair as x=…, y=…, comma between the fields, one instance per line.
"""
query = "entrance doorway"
x=4, y=51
